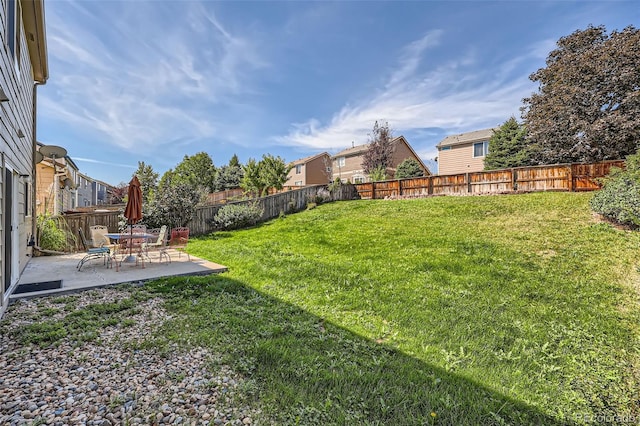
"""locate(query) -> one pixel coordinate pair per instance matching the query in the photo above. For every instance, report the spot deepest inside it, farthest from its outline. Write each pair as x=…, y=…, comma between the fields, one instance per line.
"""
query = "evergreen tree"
x=148, y=180
x=228, y=176
x=409, y=168
x=509, y=147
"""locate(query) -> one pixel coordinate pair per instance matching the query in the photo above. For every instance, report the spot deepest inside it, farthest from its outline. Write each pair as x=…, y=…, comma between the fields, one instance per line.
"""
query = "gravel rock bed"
x=102, y=382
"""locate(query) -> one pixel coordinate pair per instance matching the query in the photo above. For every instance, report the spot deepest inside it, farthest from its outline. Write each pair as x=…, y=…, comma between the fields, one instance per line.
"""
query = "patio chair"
x=100, y=252
x=160, y=244
x=99, y=237
x=179, y=240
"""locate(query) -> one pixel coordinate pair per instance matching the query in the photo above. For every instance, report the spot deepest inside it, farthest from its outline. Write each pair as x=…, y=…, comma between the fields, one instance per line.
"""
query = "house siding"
x=17, y=155
x=459, y=159
x=316, y=171
x=401, y=153
x=455, y=152
x=312, y=171
x=353, y=169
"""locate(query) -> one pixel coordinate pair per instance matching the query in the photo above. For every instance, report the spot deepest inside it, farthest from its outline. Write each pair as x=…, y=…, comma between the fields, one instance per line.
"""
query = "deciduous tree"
x=259, y=177
x=196, y=170
x=380, y=151
x=587, y=107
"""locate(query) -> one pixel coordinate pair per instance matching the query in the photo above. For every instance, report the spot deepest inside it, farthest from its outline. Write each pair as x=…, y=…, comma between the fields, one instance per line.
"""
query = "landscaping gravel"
x=104, y=381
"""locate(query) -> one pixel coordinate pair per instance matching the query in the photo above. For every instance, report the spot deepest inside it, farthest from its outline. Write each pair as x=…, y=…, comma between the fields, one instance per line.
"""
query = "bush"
x=50, y=236
x=378, y=174
x=619, y=198
x=235, y=216
x=322, y=196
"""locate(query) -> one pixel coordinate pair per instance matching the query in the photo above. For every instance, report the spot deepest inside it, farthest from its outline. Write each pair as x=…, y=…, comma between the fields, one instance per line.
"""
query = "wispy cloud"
x=457, y=96
x=106, y=163
x=142, y=86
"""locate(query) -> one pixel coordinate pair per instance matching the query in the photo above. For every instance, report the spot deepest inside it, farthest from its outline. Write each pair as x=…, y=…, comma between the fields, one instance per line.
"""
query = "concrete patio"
x=95, y=273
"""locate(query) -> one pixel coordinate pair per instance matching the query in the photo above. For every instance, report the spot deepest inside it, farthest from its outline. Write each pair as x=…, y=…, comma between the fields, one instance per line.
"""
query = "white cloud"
x=457, y=96
x=140, y=86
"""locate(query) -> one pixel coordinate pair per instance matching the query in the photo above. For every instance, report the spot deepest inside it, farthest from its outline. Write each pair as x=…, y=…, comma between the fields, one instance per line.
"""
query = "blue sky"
x=154, y=81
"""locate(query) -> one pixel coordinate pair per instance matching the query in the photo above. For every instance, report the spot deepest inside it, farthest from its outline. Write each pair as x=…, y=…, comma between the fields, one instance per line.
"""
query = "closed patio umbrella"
x=133, y=209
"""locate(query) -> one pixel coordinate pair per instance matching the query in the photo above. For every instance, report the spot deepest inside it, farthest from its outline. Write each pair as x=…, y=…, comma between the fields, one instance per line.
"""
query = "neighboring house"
x=347, y=164
x=23, y=66
x=55, y=185
x=314, y=170
x=91, y=192
x=463, y=153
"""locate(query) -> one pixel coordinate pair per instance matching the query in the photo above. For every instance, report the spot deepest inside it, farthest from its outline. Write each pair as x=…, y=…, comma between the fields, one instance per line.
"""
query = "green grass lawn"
x=516, y=309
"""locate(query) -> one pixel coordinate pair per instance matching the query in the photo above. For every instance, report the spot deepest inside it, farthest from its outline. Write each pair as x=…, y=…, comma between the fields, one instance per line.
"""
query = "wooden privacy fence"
x=76, y=221
x=272, y=205
x=222, y=196
x=557, y=177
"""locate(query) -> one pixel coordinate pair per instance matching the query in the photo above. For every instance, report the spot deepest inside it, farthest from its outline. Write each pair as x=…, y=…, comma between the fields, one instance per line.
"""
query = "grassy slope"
x=512, y=308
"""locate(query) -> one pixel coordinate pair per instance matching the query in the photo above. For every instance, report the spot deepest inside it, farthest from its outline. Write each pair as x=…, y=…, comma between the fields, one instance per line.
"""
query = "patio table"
x=128, y=236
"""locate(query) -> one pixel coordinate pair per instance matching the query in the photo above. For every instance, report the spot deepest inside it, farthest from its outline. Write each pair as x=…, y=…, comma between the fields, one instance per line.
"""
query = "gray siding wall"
x=15, y=115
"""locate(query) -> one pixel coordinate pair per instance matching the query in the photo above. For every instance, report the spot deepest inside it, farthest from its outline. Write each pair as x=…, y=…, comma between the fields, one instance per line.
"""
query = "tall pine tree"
x=508, y=147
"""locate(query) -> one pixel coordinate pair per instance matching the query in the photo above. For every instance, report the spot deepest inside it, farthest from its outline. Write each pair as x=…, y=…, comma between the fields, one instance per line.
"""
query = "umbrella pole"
x=130, y=258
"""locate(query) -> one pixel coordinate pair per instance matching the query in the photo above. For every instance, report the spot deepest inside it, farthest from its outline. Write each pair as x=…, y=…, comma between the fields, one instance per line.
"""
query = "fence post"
x=399, y=188
x=514, y=180
x=373, y=190
x=468, y=179
x=430, y=185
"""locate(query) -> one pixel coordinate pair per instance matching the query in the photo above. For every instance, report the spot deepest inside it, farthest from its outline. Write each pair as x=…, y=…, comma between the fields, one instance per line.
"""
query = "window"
x=298, y=169
x=445, y=148
x=298, y=183
x=340, y=161
x=358, y=179
x=480, y=149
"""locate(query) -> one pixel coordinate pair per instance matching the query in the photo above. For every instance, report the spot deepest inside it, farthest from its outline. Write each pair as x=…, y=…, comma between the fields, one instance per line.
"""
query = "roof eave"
x=34, y=26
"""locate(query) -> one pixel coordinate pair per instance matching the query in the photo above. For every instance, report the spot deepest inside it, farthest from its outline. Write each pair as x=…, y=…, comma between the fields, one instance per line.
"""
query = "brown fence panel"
x=544, y=178
x=585, y=176
x=221, y=197
x=365, y=190
x=387, y=188
x=415, y=187
x=491, y=182
x=450, y=184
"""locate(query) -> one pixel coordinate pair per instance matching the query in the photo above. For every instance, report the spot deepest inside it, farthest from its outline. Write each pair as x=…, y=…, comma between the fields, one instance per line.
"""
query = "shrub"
x=235, y=216
x=378, y=174
x=50, y=236
x=322, y=196
x=619, y=198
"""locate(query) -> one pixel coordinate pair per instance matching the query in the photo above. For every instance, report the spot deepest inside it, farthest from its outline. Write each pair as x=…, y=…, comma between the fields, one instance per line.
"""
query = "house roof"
x=34, y=26
x=359, y=149
x=305, y=160
x=354, y=150
x=464, y=138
